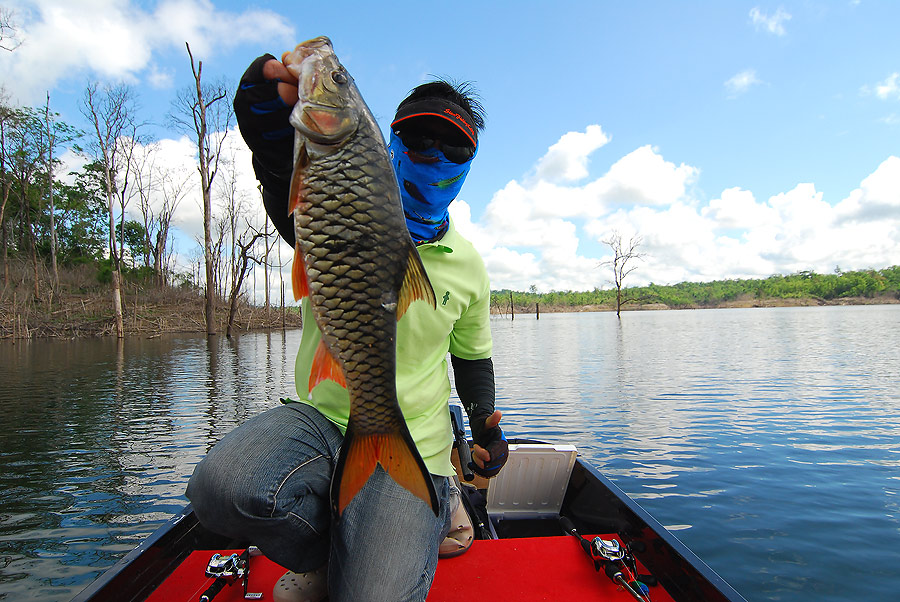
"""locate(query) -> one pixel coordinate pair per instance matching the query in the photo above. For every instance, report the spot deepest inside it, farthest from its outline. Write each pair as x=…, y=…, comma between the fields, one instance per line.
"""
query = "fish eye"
x=339, y=77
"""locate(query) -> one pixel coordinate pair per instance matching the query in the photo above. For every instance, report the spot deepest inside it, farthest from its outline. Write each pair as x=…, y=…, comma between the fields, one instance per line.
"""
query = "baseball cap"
x=438, y=107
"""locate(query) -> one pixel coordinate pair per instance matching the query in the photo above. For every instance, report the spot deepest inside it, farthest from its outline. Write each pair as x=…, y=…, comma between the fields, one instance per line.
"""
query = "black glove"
x=493, y=441
x=262, y=117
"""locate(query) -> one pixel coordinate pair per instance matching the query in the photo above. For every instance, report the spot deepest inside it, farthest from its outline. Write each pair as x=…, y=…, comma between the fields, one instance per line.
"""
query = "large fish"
x=357, y=263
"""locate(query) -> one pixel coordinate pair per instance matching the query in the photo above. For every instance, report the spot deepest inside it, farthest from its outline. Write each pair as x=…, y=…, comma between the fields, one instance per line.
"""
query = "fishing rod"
x=614, y=559
x=461, y=443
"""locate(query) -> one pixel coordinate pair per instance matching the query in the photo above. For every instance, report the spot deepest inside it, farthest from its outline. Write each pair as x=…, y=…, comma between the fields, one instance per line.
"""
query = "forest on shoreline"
x=802, y=288
x=80, y=305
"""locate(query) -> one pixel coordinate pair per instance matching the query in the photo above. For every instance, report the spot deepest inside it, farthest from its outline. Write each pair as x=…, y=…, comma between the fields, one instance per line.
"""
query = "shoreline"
x=76, y=317
x=741, y=303
x=88, y=317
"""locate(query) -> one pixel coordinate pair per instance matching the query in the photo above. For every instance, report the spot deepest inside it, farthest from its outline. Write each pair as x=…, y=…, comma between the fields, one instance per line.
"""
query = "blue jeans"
x=267, y=482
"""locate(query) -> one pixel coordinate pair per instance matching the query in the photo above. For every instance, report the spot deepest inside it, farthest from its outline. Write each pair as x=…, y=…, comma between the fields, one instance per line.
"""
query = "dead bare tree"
x=9, y=33
x=8, y=122
x=146, y=185
x=111, y=113
x=245, y=245
x=55, y=134
x=50, y=145
x=267, y=268
x=206, y=112
x=174, y=187
x=622, y=264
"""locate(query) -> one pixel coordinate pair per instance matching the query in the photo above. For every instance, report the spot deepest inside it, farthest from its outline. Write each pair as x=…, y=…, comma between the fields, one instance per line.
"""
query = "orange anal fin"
x=299, y=281
x=325, y=367
x=397, y=455
x=415, y=284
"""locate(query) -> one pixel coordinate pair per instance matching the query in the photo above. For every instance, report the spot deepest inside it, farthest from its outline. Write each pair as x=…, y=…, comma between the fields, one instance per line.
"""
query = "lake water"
x=768, y=440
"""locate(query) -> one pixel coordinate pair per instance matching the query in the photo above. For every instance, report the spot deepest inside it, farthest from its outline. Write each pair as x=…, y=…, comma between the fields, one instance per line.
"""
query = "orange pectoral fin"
x=325, y=367
x=299, y=281
x=296, y=191
x=415, y=284
x=395, y=452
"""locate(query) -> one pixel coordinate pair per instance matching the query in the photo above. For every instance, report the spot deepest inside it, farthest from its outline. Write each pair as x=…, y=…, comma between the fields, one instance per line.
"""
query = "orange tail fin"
x=325, y=367
x=396, y=453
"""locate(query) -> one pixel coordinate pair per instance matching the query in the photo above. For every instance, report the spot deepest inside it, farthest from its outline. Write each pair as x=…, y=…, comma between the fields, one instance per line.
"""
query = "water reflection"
x=766, y=438
x=99, y=438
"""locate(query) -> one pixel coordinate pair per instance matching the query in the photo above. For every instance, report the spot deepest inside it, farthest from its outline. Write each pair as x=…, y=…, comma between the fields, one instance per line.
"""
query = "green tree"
x=134, y=235
x=83, y=226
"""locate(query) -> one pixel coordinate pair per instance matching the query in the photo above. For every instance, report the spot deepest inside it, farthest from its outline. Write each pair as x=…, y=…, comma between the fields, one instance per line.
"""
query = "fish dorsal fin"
x=299, y=280
x=415, y=284
x=325, y=367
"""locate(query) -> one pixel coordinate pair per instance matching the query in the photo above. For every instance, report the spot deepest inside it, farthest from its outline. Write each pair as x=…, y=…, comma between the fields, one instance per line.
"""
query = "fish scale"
x=357, y=262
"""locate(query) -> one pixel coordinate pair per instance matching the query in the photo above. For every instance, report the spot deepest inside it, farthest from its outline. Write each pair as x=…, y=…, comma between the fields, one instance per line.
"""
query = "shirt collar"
x=445, y=243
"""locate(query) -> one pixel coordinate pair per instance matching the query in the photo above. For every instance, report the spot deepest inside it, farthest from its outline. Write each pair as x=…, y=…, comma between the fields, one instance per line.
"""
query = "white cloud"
x=643, y=176
x=889, y=88
x=568, y=158
x=773, y=24
x=536, y=231
x=742, y=82
x=118, y=39
x=876, y=199
x=738, y=209
x=160, y=78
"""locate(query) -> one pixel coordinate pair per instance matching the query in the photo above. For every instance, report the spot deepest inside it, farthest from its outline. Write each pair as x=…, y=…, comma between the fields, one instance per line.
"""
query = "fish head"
x=327, y=112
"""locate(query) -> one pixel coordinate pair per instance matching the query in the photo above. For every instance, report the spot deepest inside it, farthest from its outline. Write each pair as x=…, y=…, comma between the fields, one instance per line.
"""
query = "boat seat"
x=533, y=482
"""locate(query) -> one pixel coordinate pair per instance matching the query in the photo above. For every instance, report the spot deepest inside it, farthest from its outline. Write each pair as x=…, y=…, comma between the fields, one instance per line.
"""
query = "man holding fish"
x=350, y=486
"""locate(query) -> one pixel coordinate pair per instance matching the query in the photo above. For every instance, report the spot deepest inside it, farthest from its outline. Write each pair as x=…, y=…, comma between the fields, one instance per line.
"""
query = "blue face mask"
x=427, y=188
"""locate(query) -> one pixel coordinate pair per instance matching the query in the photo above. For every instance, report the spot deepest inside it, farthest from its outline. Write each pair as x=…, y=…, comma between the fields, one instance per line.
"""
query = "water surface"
x=766, y=439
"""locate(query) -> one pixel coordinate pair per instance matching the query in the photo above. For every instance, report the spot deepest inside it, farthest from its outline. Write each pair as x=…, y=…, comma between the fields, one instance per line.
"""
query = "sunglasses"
x=419, y=142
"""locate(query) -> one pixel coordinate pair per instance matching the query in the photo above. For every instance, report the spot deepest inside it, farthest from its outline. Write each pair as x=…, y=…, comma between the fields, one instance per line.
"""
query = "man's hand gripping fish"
x=356, y=261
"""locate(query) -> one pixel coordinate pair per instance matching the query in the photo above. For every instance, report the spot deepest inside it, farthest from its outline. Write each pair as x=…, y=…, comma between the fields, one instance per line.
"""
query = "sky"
x=735, y=139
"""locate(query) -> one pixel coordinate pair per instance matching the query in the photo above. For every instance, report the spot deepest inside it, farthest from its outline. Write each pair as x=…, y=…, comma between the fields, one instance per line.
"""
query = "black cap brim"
x=439, y=107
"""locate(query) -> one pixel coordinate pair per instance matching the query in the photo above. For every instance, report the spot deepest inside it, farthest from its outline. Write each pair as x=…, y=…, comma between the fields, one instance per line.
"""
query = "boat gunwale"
x=675, y=544
x=168, y=538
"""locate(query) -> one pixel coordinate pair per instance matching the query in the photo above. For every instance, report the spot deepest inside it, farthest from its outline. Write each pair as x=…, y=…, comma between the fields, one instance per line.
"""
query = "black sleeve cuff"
x=275, y=190
x=475, y=385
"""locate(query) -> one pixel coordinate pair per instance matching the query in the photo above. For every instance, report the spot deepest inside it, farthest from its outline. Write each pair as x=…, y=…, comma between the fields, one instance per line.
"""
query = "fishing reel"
x=226, y=570
x=617, y=561
x=608, y=549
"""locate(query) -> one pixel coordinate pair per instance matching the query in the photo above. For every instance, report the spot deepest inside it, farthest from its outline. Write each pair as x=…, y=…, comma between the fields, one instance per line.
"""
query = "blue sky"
x=738, y=139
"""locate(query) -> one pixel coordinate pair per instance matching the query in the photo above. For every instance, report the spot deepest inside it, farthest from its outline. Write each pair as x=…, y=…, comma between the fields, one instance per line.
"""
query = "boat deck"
x=519, y=552
x=529, y=569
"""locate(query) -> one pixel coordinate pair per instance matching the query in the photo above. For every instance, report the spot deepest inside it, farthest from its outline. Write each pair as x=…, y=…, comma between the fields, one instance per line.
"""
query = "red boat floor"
x=525, y=570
